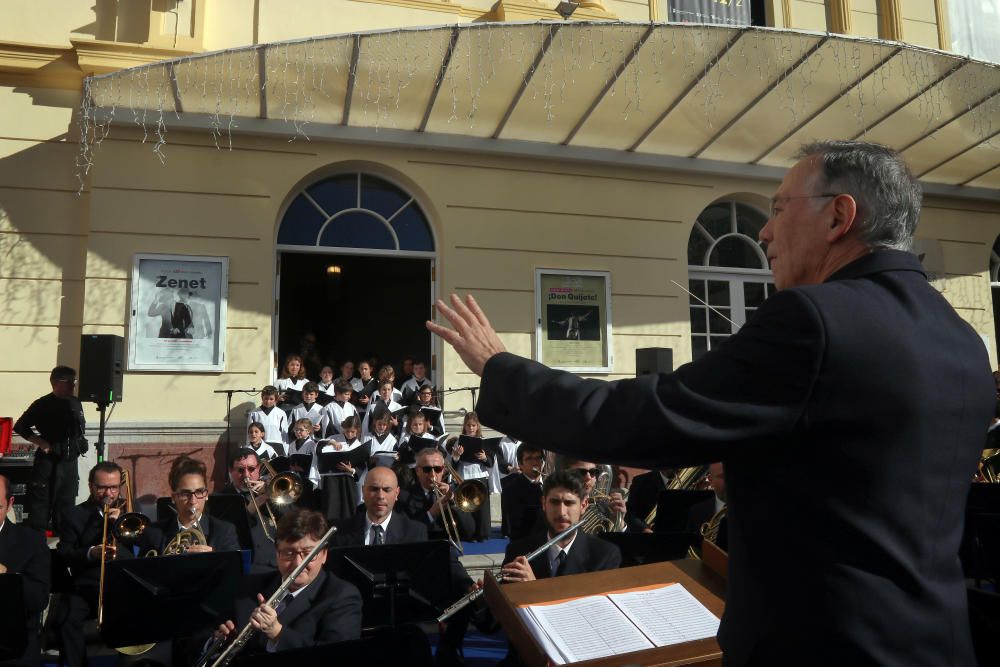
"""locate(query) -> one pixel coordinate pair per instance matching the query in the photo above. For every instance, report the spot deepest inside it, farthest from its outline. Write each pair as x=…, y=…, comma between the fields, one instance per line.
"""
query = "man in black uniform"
x=79, y=545
x=55, y=424
x=420, y=503
x=23, y=551
x=244, y=474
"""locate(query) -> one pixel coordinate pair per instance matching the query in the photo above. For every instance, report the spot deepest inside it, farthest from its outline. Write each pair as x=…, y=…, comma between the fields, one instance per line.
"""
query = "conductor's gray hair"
x=887, y=194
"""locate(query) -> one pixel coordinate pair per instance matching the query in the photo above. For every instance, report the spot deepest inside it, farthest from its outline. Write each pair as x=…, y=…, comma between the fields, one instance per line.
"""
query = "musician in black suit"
x=318, y=607
x=521, y=493
x=244, y=475
x=564, y=501
x=80, y=533
x=420, y=504
x=856, y=375
x=23, y=551
x=375, y=522
x=189, y=489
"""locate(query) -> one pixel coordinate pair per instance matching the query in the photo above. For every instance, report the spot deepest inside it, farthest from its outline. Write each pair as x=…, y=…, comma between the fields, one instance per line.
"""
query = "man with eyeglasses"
x=80, y=533
x=420, y=501
x=616, y=505
x=56, y=426
x=856, y=374
x=319, y=608
x=244, y=476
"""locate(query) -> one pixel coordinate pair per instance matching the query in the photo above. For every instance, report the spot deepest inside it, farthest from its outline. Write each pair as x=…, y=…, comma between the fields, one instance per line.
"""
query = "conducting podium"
x=632, y=601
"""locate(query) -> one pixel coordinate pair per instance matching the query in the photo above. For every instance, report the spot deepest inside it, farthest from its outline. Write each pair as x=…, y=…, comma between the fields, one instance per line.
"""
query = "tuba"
x=599, y=517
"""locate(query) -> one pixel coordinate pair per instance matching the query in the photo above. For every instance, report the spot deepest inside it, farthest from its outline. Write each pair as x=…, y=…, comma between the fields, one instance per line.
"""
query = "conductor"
x=856, y=375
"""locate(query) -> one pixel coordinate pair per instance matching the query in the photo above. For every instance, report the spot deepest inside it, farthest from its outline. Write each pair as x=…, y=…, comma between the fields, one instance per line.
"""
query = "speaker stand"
x=99, y=445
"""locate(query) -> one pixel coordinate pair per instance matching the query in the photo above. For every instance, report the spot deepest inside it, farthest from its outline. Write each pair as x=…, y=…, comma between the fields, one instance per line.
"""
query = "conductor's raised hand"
x=472, y=335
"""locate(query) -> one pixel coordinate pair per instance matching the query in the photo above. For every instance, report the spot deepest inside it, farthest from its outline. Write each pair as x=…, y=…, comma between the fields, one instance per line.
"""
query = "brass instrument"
x=126, y=528
x=599, y=517
x=448, y=519
x=469, y=494
x=182, y=541
x=472, y=596
x=260, y=515
x=989, y=466
x=248, y=631
x=283, y=488
x=683, y=479
x=709, y=531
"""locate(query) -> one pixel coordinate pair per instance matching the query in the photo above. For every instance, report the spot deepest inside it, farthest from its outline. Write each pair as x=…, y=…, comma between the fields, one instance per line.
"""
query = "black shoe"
x=448, y=656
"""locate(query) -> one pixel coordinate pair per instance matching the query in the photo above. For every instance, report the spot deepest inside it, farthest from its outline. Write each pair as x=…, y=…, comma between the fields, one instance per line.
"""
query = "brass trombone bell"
x=469, y=495
x=129, y=526
x=285, y=488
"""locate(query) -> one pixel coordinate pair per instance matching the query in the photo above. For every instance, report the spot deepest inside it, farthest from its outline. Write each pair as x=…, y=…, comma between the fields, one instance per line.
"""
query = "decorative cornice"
x=444, y=6
x=528, y=10
x=99, y=57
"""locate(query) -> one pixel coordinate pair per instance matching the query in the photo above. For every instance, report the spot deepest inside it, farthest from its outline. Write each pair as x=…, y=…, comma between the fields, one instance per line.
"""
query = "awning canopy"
x=671, y=94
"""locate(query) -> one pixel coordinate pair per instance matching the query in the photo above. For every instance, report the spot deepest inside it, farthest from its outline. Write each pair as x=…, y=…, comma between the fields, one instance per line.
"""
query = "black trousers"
x=481, y=517
x=52, y=490
x=77, y=607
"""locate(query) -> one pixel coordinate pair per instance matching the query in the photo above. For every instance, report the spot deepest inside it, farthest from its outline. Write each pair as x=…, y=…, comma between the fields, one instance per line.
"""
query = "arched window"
x=728, y=270
x=358, y=211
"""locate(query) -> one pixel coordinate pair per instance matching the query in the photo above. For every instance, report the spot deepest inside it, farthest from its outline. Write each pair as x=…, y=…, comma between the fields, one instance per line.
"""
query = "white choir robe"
x=275, y=423
x=508, y=456
x=291, y=384
x=327, y=446
x=264, y=451
x=366, y=424
x=315, y=413
x=335, y=415
x=308, y=446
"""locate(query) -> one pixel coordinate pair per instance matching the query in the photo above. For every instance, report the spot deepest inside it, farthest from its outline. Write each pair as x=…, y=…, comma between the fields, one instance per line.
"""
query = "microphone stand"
x=229, y=407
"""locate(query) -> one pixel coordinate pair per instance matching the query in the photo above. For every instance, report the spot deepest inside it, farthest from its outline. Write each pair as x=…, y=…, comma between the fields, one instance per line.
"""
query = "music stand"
x=13, y=635
x=644, y=548
x=673, y=506
x=178, y=596
x=232, y=508
x=400, y=583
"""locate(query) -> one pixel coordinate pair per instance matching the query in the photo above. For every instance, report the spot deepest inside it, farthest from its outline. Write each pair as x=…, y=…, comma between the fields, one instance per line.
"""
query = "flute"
x=472, y=596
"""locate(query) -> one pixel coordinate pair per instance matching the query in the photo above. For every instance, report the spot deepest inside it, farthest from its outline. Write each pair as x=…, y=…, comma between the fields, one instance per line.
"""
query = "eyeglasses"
x=430, y=469
x=187, y=494
x=776, y=200
x=66, y=381
x=593, y=472
x=248, y=469
x=290, y=554
x=107, y=489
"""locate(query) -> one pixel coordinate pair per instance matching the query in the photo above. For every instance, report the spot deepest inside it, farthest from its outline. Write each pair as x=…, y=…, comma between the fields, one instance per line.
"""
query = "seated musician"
x=701, y=513
x=521, y=494
x=189, y=489
x=421, y=504
x=644, y=493
x=616, y=502
x=23, y=551
x=377, y=524
x=564, y=501
x=319, y=608
x=244, y=476
x=80, y=533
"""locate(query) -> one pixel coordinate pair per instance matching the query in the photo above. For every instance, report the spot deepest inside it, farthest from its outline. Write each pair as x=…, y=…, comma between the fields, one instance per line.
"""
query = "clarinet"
x=472, y=596
x=249, y=631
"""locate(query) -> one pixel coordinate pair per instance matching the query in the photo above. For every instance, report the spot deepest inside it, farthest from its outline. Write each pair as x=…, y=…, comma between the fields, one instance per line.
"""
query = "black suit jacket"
x=402, y=530
x=414, y=503
x=264, y=554
x=23, y=551
x=588, y=554
x=221, y=535
x=521, y=505
x=849, y=414
x=80, y=529
x=327, y=611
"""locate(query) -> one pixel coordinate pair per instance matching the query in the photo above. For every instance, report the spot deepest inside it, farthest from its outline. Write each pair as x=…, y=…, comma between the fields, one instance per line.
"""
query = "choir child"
x=389, y=373
x=255, y=441
x=347, y=374
x=275, y=420
x=339, y=488
x=302, y=445
x=384, y=445
x=360, y=399
x=385, y=400
x=435, y=416
x=340, y=408
x=291, y=379
x=414, y=383
x=311, y=410
x=325, y=383
x=478, y=471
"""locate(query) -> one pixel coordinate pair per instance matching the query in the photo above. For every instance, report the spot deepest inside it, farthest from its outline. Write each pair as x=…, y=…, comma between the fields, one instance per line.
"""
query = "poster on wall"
x=573, y=320
x=178, y=313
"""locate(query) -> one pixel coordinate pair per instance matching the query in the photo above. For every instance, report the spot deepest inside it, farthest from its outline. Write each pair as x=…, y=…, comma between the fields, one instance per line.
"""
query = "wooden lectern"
x=697, y=577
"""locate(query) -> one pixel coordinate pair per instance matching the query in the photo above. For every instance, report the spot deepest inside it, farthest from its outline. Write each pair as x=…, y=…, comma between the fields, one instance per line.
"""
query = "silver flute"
x=472, y=596
x=249, y=631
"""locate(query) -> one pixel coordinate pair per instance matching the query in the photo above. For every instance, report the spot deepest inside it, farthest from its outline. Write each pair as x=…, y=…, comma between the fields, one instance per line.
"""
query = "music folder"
x=149, y=600
x=357, y=457
x=472, y=445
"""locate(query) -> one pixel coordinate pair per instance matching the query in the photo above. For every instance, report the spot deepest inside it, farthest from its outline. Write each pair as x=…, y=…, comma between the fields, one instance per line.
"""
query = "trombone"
x=126, y=528
x=281, y=489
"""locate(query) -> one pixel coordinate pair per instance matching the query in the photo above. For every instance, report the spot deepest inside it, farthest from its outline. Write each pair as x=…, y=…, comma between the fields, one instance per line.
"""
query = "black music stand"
x=399, y=583
x=13, y=635
x=645, y=548
x=232, y=508
x=155, y=599
x=673, y=506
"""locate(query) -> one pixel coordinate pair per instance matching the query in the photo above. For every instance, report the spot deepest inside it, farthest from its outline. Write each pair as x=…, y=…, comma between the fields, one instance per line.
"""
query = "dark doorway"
x=358, y=307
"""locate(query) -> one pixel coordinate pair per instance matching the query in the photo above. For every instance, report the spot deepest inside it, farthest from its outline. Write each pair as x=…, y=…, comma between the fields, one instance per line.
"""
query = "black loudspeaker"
x=652, y=360
x=102, y=361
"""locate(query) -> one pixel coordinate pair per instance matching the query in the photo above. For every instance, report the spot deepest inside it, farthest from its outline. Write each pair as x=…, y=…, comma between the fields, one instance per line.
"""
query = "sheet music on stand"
x=598, y=626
